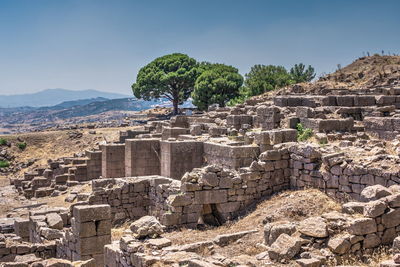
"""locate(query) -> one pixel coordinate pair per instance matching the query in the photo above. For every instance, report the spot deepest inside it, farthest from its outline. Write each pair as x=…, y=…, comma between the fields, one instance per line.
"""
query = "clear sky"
x=101, y=44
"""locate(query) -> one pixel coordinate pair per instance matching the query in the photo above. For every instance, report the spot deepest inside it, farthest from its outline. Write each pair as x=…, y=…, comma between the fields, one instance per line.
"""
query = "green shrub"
x=3, y=142
x=4, y=164
x=244, y=94
x=22, y=145
x=303, y=134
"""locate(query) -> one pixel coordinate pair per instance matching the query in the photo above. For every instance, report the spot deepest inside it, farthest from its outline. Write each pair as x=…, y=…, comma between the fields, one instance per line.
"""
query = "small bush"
x=21, y=146
x=303, y=134
x=4, y=164
x=3, y=142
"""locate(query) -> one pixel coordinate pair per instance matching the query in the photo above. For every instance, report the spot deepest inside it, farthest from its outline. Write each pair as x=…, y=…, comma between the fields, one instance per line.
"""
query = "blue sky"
x=101, y=44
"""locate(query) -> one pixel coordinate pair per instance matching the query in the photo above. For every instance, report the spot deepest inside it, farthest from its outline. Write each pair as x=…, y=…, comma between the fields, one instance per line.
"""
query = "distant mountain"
x=52, y=97
x=74, y=103
x=121, y=104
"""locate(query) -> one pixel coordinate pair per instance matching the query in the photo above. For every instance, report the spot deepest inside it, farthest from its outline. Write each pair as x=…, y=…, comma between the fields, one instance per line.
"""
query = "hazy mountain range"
x=52, y=97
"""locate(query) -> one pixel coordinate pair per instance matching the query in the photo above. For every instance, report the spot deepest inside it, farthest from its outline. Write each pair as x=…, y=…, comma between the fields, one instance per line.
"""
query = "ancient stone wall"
x=93, y=164
x=16, y=250
x=130, y=198
x=113, y=160
x=142, y=157
x=178, y=157
x=231, y=157
x=90, y=231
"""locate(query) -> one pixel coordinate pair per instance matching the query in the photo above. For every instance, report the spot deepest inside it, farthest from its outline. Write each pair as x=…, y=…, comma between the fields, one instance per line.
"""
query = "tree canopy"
x=300, y=74
x=171, y=76
x=264, y=78
x=217, y=84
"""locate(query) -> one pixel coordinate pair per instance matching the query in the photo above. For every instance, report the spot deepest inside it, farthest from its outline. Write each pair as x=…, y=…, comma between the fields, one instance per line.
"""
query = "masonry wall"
x=113, y=160
x=93, y=163
x=231, y=157
x=178, y=157
x=142, y=157
x=90, y=231
x=131, y=197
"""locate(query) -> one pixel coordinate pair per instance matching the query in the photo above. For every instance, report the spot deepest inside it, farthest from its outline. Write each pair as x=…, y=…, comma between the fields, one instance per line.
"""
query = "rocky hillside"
x=365, y=72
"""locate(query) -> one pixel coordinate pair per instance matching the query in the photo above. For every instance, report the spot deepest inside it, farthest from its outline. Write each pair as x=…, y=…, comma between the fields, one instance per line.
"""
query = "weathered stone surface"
x=353, y=207
x=371, y=241
x=374, y=192
x=362, y=226
x=54, y=221
x=309, y=262
x=285, y=247
x=314, y=227
x=375, y=208
x=51, y=234
x=179, y=200
x=273, y=230
x=147, y=226
x=160, y=242
x=223, y=240
x=391, y=218
x=87, y=213
x=393, y=200
x=210, y=197
x=339, y=245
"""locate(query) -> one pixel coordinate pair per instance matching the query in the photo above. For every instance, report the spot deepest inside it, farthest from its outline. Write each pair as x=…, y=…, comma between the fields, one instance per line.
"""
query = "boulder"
x=362, y=226
x=285, y=247
x=374, y=192
x=273, y=230
x=339, y=245
x=314, y=227
x=147, y=226
x=375, y=208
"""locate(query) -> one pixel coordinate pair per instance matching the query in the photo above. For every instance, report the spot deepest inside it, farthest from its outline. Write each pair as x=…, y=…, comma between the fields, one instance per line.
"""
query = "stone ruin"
x=213, y=167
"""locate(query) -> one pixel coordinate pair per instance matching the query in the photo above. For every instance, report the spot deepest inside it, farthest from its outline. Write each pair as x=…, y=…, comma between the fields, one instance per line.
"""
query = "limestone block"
x=87, y=213
x=210, y=196
x=54, y=221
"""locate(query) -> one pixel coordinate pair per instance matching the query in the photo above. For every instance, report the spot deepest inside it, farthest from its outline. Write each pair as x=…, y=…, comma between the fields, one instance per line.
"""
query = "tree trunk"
x=175, y=103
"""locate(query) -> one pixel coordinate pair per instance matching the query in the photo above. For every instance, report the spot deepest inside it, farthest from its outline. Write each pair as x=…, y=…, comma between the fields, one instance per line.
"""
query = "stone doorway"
x=210, y=216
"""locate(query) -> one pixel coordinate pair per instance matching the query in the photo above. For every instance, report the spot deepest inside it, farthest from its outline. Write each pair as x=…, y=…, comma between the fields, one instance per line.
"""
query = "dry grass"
x=118, y=232
x=56, y=144
x=378, y=255
x=289, y=206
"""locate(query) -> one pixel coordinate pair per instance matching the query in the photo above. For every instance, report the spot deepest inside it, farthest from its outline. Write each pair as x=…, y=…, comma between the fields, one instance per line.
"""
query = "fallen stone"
x=374, y=192
x=285, y=247
x=223, y=240
x=314, y=227
x=375, y=208
x=160, y=242
x=54, y=221
x=147, y=226
x=339, y=245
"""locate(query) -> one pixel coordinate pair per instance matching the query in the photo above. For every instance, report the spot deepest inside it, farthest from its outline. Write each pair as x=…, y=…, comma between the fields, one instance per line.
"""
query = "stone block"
x=87, y=213
x=210, y=197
